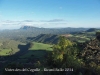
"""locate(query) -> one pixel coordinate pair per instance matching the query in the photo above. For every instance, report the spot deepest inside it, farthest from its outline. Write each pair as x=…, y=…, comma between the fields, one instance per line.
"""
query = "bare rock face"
x=98, y=35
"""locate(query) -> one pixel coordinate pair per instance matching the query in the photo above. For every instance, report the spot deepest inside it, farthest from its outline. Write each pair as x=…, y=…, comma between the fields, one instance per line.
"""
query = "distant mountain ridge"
x=91, y=29
x=28, y=27
x=31, y=31
x=69, y=29
x=57, y=31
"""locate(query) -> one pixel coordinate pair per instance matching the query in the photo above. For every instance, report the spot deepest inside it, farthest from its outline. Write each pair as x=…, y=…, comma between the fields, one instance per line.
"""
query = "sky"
x=49, y=13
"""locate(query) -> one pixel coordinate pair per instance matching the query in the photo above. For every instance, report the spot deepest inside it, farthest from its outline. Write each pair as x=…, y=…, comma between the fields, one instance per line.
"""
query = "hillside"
x=37, y=53
x=29, y=31
x=53, y=39
x=91, y=54
x=37, y=47
x=91, y=30
x=45, y=38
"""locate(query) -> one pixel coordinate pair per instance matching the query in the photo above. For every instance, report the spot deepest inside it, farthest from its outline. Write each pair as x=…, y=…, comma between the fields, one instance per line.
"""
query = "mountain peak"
x=28, y=27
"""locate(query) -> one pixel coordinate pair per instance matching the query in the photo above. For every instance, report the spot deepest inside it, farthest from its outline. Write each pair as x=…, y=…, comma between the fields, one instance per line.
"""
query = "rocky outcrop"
x=91, y=53
x=98, y=36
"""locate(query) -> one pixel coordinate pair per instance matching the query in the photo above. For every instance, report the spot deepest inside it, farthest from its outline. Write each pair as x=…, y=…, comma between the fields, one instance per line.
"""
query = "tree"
x=63, y=42
x=64, y=55
x=60, y=49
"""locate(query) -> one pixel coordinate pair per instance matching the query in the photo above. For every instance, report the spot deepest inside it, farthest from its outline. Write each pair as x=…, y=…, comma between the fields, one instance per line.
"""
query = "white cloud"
x=8, y=24
x=56, y=20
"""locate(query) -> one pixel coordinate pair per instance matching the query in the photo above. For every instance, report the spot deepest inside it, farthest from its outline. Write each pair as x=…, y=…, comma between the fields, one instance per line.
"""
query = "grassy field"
x=38, y=50
x=4, y=52
x=41, y=46
x=7, y=45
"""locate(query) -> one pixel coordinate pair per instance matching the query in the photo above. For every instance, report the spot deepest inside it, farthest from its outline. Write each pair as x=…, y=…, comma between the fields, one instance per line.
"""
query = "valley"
x=30, y=50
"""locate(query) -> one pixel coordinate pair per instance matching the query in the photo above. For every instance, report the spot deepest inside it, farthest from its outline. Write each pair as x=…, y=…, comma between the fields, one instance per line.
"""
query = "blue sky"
x=49, y=13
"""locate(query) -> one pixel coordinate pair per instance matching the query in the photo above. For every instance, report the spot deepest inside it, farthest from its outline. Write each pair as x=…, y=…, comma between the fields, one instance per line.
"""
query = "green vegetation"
x=24, y=32
x=8, y=47
x=41, y=46
x=38, y=50
x=76, y=37
x=45, y=38
x=34, y=55
x=64, y=55
x=4, y=52
x=79, y=51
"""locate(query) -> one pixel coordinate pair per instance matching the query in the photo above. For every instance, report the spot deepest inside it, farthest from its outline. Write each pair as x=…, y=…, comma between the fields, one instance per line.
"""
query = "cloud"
x=54, y=20
x=8, y=24
x=29, y=21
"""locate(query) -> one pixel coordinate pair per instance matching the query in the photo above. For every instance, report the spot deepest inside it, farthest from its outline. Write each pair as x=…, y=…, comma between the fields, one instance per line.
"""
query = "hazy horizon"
x=49, y=13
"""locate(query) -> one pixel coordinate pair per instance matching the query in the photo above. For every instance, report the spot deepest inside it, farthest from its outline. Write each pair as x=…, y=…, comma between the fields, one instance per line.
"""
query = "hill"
x=91, y=30
x=31, y=56
x=91, y=51
x=29, y=31
x=45, y=38
x=28, y=27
